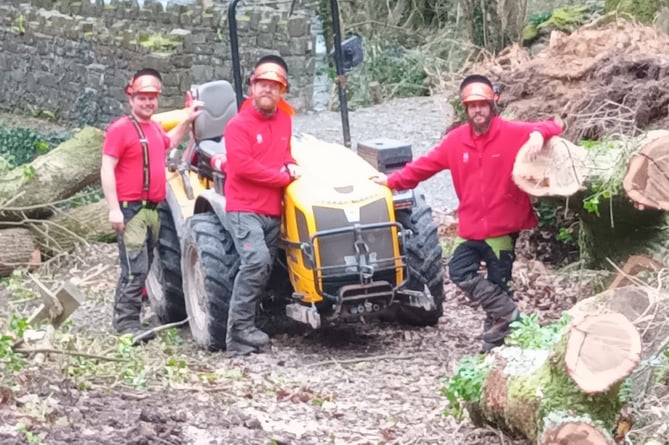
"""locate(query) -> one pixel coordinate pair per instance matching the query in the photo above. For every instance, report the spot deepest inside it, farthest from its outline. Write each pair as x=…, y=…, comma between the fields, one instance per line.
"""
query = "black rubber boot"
x=500, y=329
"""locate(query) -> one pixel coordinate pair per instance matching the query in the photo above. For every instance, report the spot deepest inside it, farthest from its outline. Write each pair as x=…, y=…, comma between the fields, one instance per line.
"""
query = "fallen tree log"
x=67, y=229
x=602, y=196
x=561, y=395
x=28, y=191
x=17, y=249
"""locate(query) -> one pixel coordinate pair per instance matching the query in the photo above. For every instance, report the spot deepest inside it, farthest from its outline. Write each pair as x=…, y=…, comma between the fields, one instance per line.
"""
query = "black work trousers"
x=492, y=290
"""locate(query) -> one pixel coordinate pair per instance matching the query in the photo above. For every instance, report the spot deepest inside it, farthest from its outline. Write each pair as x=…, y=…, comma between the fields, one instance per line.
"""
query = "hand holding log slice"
x=559, y=169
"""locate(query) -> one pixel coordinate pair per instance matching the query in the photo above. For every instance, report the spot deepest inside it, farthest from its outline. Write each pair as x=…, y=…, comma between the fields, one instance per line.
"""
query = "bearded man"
x=492, y=210
x=258, y=166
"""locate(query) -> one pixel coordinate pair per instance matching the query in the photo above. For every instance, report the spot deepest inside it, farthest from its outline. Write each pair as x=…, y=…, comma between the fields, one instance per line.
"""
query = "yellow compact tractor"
x=350, y=248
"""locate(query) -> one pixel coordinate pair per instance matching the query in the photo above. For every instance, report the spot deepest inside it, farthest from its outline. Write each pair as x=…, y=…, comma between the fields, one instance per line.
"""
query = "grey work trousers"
x=256, y=239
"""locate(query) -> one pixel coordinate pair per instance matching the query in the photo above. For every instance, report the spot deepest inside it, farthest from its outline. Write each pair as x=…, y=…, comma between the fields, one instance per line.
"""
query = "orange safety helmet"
x=476, y=92
x=146, y=80
x=477, y=88
x=271, y=68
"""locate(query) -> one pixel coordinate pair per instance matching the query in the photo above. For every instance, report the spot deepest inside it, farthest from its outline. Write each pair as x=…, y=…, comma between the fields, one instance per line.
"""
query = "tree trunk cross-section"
x=647, y=177
x=16, y=249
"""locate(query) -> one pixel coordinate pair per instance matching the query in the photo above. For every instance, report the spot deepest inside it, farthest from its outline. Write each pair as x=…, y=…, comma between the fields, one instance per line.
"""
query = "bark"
x=494, y=25
x=17, y=249
x=28, y=191
x=531, y=392
x=65, y=230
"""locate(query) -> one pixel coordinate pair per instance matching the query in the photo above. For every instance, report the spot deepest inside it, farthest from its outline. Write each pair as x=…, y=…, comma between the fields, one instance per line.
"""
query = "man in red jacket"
x=258, y=167
x=492, y=210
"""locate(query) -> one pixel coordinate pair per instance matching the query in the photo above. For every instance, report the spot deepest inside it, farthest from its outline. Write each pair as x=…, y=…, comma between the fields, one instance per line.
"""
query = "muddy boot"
x=485, y=346
x=496, y=334
x=239, y=350
x=127, y=311
x=242, y=333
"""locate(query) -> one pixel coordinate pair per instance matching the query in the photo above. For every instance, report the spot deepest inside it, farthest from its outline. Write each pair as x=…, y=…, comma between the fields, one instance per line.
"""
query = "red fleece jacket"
x=257, y=149
x=490, y=202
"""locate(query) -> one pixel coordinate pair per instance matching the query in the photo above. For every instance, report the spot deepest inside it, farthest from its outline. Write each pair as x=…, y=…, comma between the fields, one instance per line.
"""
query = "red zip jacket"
x=490, y=202
x=257, y=149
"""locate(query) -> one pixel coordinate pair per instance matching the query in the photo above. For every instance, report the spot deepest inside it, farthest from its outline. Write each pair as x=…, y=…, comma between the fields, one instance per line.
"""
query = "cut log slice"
x=17, y=249
x=647, y=179
x=575, y=433
x=559, y=169
x=601, y=351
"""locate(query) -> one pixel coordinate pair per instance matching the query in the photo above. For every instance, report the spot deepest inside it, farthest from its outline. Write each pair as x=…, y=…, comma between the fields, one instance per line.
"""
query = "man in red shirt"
x=492, y=210
x=258, y=168
x=133, y=182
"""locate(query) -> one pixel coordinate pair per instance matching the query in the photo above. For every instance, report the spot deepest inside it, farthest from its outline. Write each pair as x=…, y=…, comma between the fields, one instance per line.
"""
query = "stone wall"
x=74, y=57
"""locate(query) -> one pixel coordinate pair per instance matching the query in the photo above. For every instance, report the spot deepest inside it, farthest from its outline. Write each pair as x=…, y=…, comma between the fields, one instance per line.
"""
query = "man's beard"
x=481, y=128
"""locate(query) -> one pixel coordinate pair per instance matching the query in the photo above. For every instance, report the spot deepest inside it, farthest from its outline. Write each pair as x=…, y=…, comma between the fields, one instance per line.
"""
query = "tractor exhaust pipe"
x=341, y=79
x=234, y=52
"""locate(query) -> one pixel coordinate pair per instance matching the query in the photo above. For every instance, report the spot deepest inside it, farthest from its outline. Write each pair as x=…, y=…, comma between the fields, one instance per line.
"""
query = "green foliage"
x=160, y=43
x=11, y=362
x=19, y=146
x=608, y=182
x=16, y=285
x=553, y=217
x=87, y=195
x=41, y=113
x=29, y=435
x=566, y=19
x=625, y=391
x=465, y=385
x=132, y=370
x=527, y=333
x=643, y=10
x=20, y=25
x=399, y=72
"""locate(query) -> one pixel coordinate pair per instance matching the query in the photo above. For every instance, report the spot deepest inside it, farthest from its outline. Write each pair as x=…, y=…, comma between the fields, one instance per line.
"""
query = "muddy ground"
x=364, y=383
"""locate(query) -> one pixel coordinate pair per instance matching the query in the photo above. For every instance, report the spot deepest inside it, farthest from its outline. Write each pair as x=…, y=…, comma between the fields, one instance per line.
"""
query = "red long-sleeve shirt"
x=490, y=202
x=257, y=150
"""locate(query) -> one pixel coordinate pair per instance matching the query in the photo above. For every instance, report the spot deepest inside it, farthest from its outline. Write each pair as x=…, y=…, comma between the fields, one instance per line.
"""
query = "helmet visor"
x=270, y=71
x=476, y=92
x=145, y=84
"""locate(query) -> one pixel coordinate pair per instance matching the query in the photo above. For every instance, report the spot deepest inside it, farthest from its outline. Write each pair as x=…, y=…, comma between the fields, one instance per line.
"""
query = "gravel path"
x=420, y=121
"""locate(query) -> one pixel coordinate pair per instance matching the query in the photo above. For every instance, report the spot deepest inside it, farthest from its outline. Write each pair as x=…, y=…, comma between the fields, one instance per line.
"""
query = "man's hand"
x=293, y=170
x=535, y=144
x=194, y=110
x=116, y=220
x=381, y=179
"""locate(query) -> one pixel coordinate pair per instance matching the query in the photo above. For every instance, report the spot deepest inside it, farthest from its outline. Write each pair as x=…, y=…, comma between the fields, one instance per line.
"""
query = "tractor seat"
x=220, y=105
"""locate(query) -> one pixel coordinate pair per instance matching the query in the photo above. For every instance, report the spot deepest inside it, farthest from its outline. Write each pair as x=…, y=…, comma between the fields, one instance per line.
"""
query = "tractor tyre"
x=163, y=284
x=210, y=263
x=423, y=252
